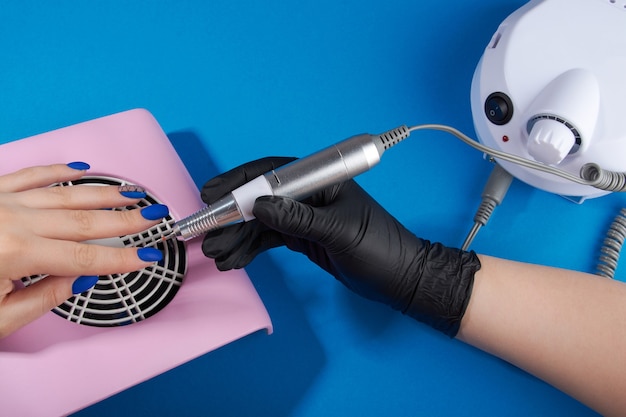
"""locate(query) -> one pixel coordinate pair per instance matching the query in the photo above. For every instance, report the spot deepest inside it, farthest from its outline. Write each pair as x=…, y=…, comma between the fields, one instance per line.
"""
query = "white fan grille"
x=122, y=299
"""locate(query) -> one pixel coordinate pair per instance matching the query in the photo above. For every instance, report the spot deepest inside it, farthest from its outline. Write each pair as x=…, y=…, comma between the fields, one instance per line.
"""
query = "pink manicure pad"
x=58, y=365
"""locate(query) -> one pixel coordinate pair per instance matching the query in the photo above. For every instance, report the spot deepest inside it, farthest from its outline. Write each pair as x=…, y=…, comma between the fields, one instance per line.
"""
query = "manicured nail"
x=83, y=283
x=132, y=191
x=155, y=212
x=149, y=254
x=80, y=166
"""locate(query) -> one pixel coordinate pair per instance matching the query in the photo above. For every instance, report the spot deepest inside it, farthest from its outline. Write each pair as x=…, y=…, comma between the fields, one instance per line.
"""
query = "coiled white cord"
x=612, y=246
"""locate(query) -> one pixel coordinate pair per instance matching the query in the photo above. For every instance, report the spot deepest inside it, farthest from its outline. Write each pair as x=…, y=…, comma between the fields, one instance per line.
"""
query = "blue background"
x=231, y=81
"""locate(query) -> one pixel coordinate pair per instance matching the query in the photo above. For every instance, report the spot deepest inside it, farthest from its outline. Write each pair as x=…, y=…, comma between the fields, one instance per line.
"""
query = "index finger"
x=224, y=183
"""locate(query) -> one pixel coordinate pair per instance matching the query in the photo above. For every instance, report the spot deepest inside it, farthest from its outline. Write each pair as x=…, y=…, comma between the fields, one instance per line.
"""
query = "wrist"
x=443, y=286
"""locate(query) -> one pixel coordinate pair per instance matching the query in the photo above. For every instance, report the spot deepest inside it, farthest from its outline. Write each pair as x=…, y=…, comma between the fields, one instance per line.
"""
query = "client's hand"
x=347, y=233
x=41, y=230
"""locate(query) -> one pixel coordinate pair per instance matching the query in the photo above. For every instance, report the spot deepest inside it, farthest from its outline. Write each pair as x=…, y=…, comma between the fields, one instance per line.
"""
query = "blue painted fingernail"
x=149, y=254
x=81, y=166
x=155, y=212
x=83, y=283
x=132, y=191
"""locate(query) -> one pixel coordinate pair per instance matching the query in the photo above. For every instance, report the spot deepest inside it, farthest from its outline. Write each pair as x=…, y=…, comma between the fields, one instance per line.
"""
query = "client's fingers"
x=24, y=306
x=41, y=176
x=80, y=197
x=66, y=258
x=79, y=225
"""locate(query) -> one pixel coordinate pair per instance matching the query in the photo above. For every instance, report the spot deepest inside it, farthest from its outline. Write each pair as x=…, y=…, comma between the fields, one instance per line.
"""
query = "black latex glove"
x=347, y=233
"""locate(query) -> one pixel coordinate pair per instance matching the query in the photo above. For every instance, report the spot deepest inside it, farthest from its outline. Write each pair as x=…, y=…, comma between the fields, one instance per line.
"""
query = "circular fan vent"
x=122, y=299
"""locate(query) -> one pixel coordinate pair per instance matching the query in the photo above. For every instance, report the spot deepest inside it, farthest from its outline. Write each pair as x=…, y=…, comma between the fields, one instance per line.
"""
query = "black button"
x=498, y=108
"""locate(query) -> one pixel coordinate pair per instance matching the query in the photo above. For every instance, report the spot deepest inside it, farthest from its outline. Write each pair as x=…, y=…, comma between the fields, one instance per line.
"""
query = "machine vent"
x=122, y=299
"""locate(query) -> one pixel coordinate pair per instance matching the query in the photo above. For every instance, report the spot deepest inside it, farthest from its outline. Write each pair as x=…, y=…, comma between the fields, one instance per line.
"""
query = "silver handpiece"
x=298, y=180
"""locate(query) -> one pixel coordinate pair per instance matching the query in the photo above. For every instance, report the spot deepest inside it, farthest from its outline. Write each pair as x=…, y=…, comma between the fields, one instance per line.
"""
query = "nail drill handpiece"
x=298, y=180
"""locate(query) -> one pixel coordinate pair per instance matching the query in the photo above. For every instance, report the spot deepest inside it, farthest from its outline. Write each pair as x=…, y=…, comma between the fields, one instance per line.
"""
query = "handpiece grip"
x=304, y=177
x=333, y=165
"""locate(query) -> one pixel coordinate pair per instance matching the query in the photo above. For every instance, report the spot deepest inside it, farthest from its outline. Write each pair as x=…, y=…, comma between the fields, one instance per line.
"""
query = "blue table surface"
x=247, y=79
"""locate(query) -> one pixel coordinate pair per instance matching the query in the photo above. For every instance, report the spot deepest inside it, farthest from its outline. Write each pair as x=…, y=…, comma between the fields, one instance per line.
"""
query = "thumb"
x=293, y=218
x=23, y=306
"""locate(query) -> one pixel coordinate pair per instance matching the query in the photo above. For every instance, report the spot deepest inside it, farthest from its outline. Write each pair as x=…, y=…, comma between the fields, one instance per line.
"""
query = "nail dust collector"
x=129, y=327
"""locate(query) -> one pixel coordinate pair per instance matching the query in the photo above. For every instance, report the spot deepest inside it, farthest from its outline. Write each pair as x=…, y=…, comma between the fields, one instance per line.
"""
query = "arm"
x=562, y=326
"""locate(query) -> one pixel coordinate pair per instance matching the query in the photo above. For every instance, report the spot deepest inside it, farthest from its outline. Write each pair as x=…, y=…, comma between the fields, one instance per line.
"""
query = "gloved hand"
x=347, y=233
